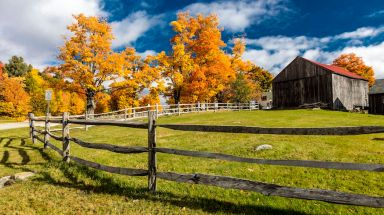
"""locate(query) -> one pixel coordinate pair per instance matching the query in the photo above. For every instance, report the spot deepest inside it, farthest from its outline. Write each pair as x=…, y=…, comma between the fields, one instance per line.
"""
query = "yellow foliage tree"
x=36, y=86
x=88, y=59
x=142, y=82
x=103, y=101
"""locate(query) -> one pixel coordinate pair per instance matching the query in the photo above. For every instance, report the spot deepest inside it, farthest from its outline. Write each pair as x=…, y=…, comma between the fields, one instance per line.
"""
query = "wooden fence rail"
x=275, y=190
x=292, y=163
x=220, y=181
x=283, y=131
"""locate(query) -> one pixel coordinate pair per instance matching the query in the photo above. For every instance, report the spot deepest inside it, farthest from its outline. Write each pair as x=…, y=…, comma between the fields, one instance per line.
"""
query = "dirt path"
x=25, y=124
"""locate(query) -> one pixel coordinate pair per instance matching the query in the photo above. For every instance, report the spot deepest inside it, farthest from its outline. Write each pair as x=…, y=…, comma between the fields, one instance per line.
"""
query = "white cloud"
x=34, y=29
x=359, y=33
x=236, y=16
x=376, y=14
x=275, y=52
x=147, y=52
x=132, y=27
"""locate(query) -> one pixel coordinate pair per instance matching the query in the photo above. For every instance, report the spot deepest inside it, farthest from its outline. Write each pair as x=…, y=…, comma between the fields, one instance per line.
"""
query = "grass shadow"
x=107, y=184
x=110, y=185
x=19, y=145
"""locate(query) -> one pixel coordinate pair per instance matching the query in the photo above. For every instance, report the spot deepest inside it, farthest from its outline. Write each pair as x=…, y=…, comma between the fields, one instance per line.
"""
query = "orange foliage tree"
x=355, y=64
x=197, y=68
x=88, y=59
x=14, y=101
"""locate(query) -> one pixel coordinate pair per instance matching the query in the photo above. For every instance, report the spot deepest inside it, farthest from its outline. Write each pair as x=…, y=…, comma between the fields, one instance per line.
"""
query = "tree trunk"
x=176, y=95
x=91, y=103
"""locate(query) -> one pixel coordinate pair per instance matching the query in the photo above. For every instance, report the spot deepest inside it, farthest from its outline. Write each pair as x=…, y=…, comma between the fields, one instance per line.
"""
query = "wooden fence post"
x=151, y=152
x=250, y=105
x=66, y=145
x=86, y=117
x=198, y=107
x=215, y=106
x=125, y=114
x=32, y=127
x=134, y=113
x=178, y=108
x=47, y=129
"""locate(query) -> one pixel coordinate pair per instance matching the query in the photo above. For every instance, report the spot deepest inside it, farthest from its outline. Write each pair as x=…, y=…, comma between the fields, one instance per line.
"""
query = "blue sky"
x=275, y=30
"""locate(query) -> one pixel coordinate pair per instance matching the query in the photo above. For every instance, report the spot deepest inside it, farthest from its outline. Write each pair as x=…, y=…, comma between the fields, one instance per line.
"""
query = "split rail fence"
x=221, y=181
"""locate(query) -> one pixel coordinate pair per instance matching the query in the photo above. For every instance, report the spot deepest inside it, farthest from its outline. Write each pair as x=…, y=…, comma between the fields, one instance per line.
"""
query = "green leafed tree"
x=242, y=90
x=16, y=67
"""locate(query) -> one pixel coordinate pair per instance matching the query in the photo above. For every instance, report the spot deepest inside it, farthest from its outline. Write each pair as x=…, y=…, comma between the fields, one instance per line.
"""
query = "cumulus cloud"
x=359, y=33
x=35, y=29
x=275, y=52
x=236, y=16
x=132, y=27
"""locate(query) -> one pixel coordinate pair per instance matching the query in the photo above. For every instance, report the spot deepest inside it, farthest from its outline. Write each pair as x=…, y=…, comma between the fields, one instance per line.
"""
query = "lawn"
x=73, y=189
x=7, y=120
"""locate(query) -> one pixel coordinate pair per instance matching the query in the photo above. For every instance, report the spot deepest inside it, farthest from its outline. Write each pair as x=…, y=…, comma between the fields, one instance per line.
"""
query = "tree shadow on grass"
x=107, y=184
x=110, y=185
x=18, y=144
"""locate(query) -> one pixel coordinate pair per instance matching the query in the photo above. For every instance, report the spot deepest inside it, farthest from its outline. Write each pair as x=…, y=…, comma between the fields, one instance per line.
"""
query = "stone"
x=22, y=176
x=263, y=147
x=9, y=182
x=11, y=179
x=3, y=181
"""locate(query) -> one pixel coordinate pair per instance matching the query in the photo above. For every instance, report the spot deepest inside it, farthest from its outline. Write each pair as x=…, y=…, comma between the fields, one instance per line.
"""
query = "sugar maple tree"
x=355, y=64
x=88, y=59
x=14, y=101
x=35, y=85
x=142, y=82
x=197, y=67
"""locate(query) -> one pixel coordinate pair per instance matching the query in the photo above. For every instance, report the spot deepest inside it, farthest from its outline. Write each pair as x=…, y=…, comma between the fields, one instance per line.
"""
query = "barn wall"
x=348, y=92
x=300, y=68
x=302, y=82
x=376, y=104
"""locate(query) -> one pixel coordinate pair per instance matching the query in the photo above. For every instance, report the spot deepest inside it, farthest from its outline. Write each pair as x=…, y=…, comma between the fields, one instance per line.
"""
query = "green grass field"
x=7, y=120
x=59, y=188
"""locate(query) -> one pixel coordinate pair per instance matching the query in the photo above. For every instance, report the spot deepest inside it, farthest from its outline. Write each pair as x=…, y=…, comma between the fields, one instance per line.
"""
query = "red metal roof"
x=338, y=70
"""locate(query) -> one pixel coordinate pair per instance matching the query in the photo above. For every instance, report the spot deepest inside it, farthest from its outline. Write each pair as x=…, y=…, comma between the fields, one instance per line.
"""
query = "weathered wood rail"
x=212, y=180
x=283, y=131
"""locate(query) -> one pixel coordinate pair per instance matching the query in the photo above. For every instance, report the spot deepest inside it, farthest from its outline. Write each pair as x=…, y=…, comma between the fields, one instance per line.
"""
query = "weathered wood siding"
x=302, y=82
x=376, y=103
x=349, y=92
